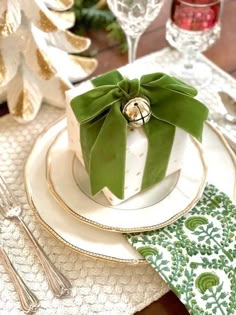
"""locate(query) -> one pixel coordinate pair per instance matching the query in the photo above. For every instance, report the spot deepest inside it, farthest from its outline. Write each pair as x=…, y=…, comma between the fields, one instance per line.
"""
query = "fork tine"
x=6, y=195
x=2, y=190
x=6, y=190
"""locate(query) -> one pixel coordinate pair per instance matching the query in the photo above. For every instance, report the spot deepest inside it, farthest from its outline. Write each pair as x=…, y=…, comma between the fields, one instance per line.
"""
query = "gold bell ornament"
x=137, y=111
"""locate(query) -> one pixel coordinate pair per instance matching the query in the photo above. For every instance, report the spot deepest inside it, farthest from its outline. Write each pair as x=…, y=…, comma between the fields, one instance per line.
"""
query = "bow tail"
x=88, y=135
x=160, y=140
x=107, y=157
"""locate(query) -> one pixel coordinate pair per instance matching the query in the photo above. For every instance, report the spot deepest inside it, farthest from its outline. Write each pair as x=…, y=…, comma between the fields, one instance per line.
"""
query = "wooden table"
x=223, y=53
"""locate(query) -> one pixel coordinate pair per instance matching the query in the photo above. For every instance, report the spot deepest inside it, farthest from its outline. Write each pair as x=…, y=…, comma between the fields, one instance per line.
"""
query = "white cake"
x=136, y=149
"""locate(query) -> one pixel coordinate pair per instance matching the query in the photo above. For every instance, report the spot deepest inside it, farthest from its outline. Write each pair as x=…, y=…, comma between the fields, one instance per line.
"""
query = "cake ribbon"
x=103, y=127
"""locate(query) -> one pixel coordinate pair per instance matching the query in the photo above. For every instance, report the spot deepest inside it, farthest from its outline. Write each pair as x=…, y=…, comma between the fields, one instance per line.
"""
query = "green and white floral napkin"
x=196, y=255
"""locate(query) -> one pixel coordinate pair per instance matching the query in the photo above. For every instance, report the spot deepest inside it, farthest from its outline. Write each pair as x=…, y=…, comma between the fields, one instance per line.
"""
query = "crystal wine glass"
x=134, y=17
x=193, y=27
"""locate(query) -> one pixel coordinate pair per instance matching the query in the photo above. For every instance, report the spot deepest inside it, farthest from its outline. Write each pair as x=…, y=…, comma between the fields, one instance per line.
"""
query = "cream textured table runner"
x=99, y=287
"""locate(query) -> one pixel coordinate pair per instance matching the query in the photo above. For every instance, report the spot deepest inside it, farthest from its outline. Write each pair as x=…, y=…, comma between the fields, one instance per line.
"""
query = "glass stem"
x=132, y=47
x=189, y=60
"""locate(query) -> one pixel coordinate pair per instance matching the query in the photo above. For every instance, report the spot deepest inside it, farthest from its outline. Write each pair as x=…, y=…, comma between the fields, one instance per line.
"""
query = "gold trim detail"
x=66, y=3
x=2, y=68
x=60, y=5
x=64, y=87
x=67, y=16
x=80, y=43
x=45, y=24
x=46, y=70
x=6, y=27
x=23, y=108
x=87, y=64
x=62, y=203
x=132, y=262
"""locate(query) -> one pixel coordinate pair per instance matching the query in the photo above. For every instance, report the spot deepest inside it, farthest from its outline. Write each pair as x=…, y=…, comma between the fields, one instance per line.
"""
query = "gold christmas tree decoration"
x=36, y=63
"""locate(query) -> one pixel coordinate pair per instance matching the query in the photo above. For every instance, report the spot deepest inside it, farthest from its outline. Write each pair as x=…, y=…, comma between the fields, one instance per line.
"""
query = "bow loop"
x=93, y=103
x=162, y=80
x=129, y=88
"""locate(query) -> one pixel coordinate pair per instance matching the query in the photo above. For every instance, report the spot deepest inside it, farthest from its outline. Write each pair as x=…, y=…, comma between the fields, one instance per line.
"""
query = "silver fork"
x=10, y=209
x=28, y=300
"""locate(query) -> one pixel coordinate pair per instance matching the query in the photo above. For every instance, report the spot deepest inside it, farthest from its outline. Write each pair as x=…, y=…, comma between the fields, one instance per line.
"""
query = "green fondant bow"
x=103, y=127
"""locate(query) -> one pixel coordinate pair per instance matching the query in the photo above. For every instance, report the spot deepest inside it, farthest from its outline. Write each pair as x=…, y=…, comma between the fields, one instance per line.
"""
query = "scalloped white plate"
x=153, y=209
x=95, y=242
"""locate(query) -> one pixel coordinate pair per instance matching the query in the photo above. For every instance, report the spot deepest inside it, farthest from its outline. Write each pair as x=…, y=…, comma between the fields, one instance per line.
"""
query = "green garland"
x=91, y=16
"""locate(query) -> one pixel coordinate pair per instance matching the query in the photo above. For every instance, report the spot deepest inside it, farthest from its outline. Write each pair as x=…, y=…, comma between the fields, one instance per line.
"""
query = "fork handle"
x=28, y=300
x=58, y=283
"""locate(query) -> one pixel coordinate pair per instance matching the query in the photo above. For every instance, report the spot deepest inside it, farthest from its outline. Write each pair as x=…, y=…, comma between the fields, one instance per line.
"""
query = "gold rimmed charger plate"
x=87, y=239
x=148, y=210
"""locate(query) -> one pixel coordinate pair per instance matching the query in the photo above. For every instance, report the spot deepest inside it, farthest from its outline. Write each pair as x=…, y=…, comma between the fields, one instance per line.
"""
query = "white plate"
x=149, y=210
x=95, y=242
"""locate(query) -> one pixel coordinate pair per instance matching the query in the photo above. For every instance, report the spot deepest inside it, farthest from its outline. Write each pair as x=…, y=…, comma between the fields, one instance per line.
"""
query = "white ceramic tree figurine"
x=36, y=63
